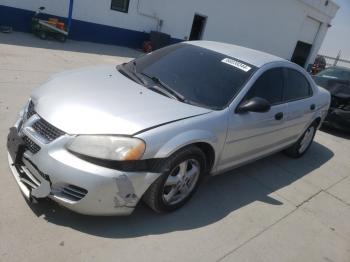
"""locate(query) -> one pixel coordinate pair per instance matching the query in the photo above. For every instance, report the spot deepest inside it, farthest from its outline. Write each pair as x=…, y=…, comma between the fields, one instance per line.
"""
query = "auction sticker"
x=236, y=64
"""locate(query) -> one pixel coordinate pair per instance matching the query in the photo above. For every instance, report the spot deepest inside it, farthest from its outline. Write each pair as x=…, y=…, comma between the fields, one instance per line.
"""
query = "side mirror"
x=255, y=104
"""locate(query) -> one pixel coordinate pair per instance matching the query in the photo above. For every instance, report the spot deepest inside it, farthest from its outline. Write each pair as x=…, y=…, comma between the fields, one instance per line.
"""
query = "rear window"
x=296, y=86
x=202, y=76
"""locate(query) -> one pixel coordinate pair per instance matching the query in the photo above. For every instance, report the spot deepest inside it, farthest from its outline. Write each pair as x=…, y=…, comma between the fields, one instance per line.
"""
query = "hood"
x=338, y=88
x=100, y=100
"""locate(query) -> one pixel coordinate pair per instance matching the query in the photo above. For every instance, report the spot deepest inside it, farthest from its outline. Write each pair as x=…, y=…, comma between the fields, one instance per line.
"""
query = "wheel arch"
x=317, y=121
x=209, y=153
x=204, y=140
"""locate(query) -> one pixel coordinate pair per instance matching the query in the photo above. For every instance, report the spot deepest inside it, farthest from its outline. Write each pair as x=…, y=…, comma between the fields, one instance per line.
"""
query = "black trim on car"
x=146, y=165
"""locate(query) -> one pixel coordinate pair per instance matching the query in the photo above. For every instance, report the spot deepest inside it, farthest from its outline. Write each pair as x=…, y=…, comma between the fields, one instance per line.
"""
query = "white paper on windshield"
x=236, y=64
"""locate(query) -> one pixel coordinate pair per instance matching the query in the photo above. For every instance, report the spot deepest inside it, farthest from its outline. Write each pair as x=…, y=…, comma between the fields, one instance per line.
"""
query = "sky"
x=338, y=36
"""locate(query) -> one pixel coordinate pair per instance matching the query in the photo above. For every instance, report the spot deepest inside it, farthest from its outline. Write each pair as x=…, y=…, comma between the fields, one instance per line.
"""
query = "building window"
x=120, y=5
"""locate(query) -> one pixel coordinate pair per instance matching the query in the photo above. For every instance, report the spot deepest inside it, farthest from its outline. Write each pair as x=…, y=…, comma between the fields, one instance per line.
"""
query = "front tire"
x=303, y=144
x=182, y=174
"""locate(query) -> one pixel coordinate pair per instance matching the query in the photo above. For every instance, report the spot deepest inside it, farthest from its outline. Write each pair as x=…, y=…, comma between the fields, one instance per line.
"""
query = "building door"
x=301, y=53
x=307, y=37
x=198, y=25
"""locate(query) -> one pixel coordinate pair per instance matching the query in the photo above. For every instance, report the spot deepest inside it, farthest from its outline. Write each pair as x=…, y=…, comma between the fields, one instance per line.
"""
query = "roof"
x=251, y=56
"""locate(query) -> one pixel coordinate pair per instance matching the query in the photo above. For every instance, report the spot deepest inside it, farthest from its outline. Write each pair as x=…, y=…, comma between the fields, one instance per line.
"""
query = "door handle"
x=279, y=116
x=312, y=107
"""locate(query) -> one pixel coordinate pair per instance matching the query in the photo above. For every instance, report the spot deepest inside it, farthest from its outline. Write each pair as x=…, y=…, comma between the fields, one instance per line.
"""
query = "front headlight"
x=108, y=147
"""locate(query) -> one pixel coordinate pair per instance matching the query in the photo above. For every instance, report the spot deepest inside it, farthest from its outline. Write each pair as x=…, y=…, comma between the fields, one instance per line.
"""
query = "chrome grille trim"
x=42, y=127
x=46, y=130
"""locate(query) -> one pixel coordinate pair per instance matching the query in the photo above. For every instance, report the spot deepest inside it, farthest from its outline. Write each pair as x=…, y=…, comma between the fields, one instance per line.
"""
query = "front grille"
x=30, y=109
x=73, y=193
x=46, y=130
x=30, y=144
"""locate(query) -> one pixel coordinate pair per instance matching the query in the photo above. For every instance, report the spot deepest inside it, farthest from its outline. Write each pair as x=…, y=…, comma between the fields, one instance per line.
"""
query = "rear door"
x=299, y=96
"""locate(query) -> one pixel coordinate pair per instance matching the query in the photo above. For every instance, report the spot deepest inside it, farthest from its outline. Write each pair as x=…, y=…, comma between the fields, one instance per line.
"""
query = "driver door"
x=251, y=134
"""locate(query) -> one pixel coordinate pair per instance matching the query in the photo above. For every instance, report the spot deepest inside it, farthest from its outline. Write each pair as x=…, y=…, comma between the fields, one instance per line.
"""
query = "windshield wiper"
x=131, y=74
x=162, y=91
x=137, y=74
x=164, y=86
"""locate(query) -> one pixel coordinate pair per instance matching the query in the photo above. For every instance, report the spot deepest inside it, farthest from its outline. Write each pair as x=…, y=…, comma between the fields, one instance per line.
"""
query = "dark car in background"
x=337, y=81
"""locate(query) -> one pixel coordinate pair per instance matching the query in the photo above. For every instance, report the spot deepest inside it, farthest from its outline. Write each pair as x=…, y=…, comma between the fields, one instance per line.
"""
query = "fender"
x=186, y=138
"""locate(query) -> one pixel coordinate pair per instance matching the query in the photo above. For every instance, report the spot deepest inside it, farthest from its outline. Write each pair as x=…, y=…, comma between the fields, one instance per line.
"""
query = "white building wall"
x=93, y=11
x=272, y=26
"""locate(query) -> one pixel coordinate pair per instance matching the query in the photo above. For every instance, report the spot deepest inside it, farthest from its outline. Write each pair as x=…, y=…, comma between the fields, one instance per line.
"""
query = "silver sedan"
x=98, y=140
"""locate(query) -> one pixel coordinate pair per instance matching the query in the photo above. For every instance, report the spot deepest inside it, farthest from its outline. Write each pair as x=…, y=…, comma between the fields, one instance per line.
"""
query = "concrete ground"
x=277, y=209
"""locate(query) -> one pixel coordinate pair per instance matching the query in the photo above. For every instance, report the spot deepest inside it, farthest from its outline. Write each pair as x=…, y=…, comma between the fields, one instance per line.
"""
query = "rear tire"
x=303, y=144
x=182, y=174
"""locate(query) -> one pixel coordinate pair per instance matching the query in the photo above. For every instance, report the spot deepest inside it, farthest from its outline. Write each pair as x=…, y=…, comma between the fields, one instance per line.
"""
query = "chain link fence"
x=335, y=61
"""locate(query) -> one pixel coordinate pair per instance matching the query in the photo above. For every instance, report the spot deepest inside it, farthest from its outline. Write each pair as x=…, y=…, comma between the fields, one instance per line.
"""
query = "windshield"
x=336, y=73
x=201, y=76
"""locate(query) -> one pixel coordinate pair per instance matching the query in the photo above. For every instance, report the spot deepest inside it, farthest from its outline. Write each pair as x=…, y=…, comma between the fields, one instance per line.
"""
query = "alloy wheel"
x=181, y=181
x=307, y=139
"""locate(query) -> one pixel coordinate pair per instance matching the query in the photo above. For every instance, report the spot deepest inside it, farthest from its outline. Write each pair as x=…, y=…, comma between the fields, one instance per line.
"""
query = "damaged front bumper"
x=74, y=183
x=339, y=112
x=338, y=118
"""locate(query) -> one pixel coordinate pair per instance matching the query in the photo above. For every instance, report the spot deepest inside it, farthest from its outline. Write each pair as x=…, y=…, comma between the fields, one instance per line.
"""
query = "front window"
x=201, y=76
x=269, y=86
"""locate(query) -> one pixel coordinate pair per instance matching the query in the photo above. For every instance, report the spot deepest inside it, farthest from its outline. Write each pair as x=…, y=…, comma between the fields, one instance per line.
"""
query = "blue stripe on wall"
x=106, y=34
x=20, y=20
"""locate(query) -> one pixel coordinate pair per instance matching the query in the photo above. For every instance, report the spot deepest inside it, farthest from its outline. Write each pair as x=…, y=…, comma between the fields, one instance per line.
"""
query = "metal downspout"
x=70, y=14
x=159, y=21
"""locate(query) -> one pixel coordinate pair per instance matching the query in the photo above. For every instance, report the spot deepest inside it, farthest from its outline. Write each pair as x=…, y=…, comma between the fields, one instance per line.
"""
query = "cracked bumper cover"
x=109, y=191
x=338, y=118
